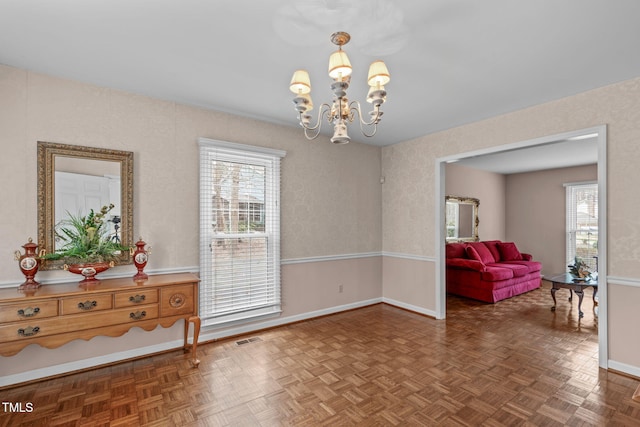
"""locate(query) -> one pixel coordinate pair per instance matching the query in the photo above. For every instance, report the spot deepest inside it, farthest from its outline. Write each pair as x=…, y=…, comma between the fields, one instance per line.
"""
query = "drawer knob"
x=137, y=299
x=87, y=305
x=177, y=300
x=28, y=312
x=138, y=315
x=28, y=331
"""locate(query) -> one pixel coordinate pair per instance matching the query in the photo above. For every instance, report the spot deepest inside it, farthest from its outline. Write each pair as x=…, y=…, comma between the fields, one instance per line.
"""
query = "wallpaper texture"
x=330, y=196
x=332, y=199
x=408, y=193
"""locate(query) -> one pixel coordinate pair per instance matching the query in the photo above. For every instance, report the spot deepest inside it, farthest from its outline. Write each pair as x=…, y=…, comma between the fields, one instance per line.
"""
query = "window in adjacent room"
x=582, y=223
x=452, y=221
x=239, y=232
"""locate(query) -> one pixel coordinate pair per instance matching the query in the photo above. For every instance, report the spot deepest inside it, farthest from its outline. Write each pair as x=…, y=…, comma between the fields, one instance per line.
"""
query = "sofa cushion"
x=493, y=274
x=509, y=251
x=517, y=269
x=532, y=266
x=480, y=252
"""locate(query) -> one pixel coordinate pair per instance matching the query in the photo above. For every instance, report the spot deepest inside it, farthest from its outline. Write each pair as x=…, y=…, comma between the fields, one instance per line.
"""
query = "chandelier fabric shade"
x=378, y=74
x=339, y=65
x=340, y=112
x=300, y=82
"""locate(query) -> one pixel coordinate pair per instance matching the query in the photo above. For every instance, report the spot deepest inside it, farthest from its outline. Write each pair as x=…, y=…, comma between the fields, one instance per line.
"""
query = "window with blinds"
x=239, y=231
x=582, y=223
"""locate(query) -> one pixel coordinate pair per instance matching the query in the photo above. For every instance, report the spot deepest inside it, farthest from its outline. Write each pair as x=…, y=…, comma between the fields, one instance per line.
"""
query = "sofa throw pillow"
x=483, y=252
x=455, y=250
x=509, y=251
x=492, y=245
x=472, y=253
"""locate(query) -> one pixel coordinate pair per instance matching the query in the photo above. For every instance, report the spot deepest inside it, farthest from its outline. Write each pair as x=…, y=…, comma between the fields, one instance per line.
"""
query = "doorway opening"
x=553, y=142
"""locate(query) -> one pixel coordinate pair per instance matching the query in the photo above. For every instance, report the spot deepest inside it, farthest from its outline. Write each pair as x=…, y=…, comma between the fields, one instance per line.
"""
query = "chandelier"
x=341, y=111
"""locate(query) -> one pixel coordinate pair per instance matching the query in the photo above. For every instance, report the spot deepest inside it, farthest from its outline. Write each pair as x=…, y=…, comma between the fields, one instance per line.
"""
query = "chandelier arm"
x=374, y=121
x=308, y=130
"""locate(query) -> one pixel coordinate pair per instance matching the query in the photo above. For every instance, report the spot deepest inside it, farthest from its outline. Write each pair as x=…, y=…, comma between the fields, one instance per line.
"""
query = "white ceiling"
x=451, y=61
x=576, y=151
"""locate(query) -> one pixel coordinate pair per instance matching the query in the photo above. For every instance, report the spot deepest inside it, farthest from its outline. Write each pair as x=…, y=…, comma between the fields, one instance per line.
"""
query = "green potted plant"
x=87, y=248
x=579, y=269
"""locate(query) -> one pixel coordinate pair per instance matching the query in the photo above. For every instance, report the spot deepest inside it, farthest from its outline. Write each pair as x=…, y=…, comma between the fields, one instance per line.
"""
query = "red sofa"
x=490, y=271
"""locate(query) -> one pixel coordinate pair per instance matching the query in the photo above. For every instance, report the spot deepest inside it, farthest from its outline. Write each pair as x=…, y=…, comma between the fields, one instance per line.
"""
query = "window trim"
x=270, y=158
x=570, y=232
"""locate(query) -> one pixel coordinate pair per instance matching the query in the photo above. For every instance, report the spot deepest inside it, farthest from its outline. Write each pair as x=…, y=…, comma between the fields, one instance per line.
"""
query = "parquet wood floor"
x=514, y=363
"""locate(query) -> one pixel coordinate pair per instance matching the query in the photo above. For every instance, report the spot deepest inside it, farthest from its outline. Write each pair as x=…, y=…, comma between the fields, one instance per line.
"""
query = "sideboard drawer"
x=136, y=314
x=85, y=303
x=177, y=300
x=36, y=309
x=75, y=323
x=137, y=297
x=29, y=328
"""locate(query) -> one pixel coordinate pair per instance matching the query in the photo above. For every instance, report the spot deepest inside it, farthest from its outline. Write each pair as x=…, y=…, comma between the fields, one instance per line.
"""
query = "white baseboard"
x=271, y=323
x=624, y=368
x=410, y=307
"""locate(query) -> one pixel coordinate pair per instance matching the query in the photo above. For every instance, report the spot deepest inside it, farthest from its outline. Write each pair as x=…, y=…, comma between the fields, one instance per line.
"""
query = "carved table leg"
x=196, y=332
x=553, y=295
x=580, y=294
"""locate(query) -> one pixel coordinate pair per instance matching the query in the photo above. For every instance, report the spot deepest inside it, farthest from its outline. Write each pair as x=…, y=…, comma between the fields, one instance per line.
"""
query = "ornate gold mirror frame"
x=48, y=152
x=461, y=219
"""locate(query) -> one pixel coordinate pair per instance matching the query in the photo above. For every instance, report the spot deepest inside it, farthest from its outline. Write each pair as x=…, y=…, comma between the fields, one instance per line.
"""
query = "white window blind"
x=239, y=231
x=582, y=223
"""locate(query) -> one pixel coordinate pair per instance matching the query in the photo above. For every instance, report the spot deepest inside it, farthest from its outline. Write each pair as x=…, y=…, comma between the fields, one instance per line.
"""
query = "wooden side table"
x=56, y=314
x=566, y=281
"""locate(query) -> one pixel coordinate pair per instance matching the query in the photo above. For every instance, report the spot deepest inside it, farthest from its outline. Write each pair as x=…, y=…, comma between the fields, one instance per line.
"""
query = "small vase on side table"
x=29, y=262
x=140, y=257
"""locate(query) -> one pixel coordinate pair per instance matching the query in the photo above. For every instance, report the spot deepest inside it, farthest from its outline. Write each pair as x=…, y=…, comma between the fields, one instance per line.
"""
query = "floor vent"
x=248, y=340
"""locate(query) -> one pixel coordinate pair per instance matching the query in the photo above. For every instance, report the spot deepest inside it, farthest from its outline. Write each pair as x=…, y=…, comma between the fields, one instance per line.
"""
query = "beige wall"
x=330, y=195
x=406, y=282
x=331, y=198
x=409, y=205
x=536, y=218
x=489, y=188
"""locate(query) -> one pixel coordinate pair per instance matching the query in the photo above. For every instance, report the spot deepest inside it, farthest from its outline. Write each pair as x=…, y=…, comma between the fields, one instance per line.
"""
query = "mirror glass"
x=461, y=219
x=73, y=180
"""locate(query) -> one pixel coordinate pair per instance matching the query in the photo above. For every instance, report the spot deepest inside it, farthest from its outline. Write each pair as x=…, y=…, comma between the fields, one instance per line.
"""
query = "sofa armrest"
x=526, y=257
x=466, y=264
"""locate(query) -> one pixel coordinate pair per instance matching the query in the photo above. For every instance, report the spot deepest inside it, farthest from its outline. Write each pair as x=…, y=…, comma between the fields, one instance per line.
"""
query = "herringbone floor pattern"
x=514, y=363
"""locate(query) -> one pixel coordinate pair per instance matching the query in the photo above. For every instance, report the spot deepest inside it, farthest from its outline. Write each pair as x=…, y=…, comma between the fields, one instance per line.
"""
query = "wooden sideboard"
x=56, y=314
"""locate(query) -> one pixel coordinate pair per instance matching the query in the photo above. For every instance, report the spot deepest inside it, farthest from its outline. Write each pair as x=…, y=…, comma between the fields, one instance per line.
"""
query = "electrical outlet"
x=339, y=289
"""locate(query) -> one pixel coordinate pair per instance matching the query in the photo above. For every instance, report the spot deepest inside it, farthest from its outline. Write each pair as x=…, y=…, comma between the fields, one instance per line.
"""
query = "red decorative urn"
x=29, y=262
x=140, y=257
